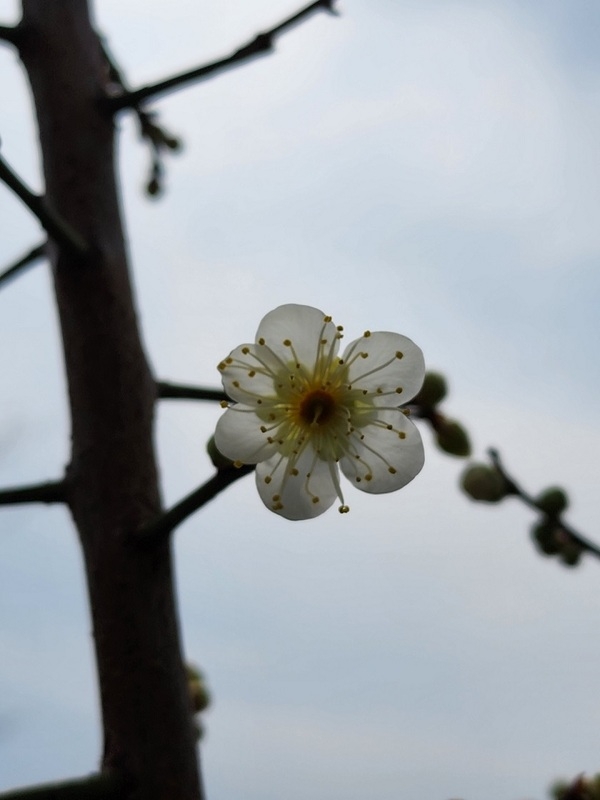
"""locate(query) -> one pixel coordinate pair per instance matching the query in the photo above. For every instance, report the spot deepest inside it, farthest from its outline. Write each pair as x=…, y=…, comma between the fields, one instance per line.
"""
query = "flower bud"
x=433, y=390
x=570, y=554
x=545, y=538
x=452, y=438
x=484, y=483
x=216, y=456
x=553, y=501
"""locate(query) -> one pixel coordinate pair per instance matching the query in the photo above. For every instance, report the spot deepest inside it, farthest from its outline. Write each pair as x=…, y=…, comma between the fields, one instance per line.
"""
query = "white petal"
x=305, y=327
x=302, y=496
x=383, y=368
x=381, y=459
x=249, y=373
x=239, y=437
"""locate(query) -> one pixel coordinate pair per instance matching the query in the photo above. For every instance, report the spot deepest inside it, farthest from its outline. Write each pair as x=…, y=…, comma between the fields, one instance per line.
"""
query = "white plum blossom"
x=301, y=413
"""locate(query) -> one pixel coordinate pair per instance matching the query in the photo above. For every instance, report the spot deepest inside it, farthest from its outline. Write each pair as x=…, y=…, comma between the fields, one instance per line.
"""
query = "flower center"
x=317, y=407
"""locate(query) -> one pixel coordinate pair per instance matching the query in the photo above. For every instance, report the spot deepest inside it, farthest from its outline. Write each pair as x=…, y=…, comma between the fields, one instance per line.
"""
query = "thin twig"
x=50, y=492
x=262, y=44
x=177, y=391
x=169, y=520
x=23, y=263
x=57, y=228
x=516, y=490
x=106, y=786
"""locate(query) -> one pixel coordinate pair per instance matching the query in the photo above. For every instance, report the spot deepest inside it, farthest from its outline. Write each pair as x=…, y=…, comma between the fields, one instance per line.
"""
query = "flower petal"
x=249, y=373
x=238, y=436
x=297, y=490
x=388, y=362
x=309, y=334
x=385, y=454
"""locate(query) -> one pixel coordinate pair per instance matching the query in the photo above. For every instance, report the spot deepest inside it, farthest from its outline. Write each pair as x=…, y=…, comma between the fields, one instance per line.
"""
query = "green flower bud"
x=553, y=501
x=433, y=391
x=452, y=438
x=545, y=538
x=216, y=456
x=153, y=187
x=484, y=483
x=199, y=696
x=570, y=554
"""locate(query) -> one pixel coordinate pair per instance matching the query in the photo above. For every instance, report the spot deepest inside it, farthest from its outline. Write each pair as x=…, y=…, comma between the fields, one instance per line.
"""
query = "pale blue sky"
x=426, y=167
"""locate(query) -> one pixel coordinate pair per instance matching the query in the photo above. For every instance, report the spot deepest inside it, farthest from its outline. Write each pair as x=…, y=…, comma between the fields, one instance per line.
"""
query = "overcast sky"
x=420, y=166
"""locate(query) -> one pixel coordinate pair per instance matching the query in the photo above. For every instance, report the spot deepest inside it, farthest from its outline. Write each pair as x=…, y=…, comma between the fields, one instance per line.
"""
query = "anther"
x=392, y=470
x=344, y=509
x=399, y=354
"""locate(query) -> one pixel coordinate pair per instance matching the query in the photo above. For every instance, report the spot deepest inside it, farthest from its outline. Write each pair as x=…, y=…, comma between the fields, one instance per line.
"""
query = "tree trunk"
x=112, y=477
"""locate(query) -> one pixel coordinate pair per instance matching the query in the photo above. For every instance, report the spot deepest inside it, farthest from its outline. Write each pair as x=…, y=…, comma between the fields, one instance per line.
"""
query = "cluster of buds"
x=549, y=534
x=450, y=436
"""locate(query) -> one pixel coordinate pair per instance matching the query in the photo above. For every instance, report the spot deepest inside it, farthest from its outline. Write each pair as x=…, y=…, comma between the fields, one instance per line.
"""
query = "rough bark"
x=112, y=485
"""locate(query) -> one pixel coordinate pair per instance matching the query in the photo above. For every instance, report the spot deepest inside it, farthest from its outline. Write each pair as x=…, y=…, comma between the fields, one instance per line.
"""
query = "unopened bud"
x=483, y=483
x=553, y=501
x=544, y=534
x=433, y=390
x=452, y=438
x=153, y=187
x=570, y=554
x=216, y=456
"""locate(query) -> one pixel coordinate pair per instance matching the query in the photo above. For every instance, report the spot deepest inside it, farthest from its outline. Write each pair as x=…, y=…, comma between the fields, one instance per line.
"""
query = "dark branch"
x=23, y=263
x=56, y=227
x=517, y=491
x=177, y=391
x=159, y=140
x=262, y=44
x=50, y=492
x=95, y=787
x=10, y=34
x=167, y=522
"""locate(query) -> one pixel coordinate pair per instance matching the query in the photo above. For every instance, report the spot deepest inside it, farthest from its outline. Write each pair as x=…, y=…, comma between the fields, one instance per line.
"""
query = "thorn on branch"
x=23, y=263
x=50, y=492
x=53, y=224
x=166, y=523
x=262, y=44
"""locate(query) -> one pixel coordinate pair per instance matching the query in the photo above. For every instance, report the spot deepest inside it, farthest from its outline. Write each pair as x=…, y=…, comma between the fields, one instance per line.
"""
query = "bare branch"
x=262, y=44
x=177, y=391
x=50, y=492
x=10, y=34
x=167, y=522
x=158, y=139
x=56, y=227
x=23, y=263
x=517, y=491
x=106, y=786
